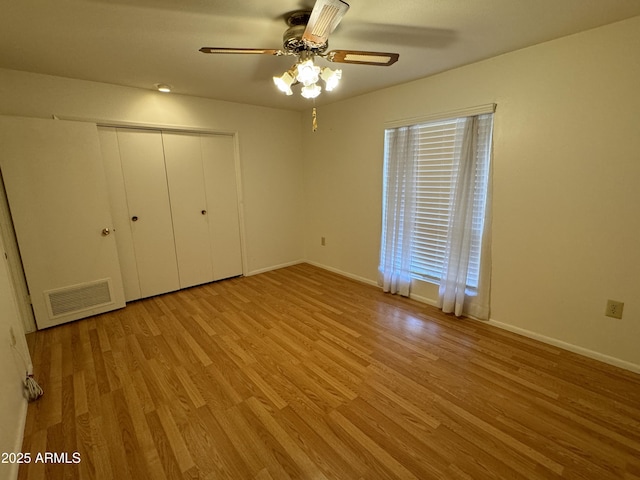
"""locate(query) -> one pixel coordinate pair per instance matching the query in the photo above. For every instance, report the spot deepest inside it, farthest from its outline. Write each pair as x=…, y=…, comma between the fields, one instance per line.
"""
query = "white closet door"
x=119, y=211
x=183, y=157
x=222, y=200
x=142, y=157
x=57, y=193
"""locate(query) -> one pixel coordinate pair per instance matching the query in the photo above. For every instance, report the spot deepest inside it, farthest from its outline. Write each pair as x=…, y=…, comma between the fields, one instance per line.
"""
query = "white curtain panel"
x=398, y=216
x=454, y=294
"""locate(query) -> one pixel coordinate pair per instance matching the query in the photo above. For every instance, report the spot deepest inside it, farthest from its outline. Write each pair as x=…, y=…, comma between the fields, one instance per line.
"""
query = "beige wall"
x=566, y=221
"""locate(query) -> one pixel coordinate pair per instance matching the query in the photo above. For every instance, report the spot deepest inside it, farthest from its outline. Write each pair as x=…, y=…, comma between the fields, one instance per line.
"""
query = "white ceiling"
x=143, y=42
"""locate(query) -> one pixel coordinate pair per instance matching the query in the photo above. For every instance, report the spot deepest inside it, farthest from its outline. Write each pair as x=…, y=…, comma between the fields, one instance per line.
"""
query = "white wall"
x=14, y=363
x=566, y=227
x=269, y=146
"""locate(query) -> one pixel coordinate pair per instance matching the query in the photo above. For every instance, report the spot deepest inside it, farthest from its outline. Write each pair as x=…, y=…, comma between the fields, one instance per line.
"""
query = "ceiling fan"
x=307, y=38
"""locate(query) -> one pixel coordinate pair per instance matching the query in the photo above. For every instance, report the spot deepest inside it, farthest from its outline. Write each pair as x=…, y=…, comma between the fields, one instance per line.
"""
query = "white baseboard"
x=548, y=340
x=273, y=267
x=617, y=362
x=428, y=301
x=344, y=274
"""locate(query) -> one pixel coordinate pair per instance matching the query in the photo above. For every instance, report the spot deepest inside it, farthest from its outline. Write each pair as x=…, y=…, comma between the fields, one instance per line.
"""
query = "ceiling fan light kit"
x=308, y=74
x=307, y=38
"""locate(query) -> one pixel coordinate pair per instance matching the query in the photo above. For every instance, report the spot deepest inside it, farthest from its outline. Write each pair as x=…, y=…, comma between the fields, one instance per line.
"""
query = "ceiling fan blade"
x=381, y=59
x=324, y=18
x=259, y=51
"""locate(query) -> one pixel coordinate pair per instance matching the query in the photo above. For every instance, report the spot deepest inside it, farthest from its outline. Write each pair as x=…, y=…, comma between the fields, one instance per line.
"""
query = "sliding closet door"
x=204, y=204
x=183, y=157
x=57, y=193
x=222, y=200
x=143, y=168
x=175, y=203
x=119, y=211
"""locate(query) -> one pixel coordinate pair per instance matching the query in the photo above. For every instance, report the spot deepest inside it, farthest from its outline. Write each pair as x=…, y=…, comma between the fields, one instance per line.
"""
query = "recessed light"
x=162, y=87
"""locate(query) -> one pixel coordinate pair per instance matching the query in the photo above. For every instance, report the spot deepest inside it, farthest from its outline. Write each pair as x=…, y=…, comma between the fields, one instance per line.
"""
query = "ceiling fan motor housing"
x=292, y=39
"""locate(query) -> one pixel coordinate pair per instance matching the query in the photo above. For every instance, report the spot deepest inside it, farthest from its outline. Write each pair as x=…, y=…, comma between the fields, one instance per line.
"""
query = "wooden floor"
x=299, y=373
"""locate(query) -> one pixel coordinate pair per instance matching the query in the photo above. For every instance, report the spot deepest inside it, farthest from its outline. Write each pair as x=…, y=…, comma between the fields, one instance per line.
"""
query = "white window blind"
x=434, y=173
x=438, y=146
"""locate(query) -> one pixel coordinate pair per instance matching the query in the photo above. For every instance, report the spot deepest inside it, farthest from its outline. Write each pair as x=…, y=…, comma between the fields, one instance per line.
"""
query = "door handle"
x=203, y=212
x=134, y=219
x=105, y=232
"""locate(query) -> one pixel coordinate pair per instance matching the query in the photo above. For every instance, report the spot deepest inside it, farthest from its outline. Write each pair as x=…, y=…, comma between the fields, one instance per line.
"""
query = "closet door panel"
x=222, y=200
x=183, y=156
x=119, y=211
x=143, y=167
x=57, y=193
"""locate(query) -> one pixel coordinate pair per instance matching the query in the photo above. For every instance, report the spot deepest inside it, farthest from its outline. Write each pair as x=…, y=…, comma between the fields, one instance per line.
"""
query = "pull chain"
x=314, y=120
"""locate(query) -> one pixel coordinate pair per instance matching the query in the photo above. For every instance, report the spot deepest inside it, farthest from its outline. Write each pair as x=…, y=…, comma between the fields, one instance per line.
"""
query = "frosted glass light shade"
x=307, y=72
x=284, y=83
x=310, y=91
x=331, y=78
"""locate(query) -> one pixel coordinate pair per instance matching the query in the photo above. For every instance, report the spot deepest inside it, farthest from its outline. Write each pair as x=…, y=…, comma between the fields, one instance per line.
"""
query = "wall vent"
x=78, y=298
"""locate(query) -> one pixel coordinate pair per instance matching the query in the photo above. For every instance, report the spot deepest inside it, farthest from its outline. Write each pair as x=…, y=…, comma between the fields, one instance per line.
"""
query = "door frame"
x=14, y=262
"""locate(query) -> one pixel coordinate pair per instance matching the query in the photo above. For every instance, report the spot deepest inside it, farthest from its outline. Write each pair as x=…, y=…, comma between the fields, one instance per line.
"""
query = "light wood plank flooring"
x=302, y=374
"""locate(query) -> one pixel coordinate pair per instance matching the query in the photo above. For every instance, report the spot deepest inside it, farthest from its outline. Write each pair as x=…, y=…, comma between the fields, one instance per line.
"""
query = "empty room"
x=320, y=239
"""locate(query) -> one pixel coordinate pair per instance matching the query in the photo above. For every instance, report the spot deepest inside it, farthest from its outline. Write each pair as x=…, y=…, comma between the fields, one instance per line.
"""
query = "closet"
x=174, y=203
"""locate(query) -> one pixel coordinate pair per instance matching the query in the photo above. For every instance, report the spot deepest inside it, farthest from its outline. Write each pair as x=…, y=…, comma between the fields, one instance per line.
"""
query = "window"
x=436, y=173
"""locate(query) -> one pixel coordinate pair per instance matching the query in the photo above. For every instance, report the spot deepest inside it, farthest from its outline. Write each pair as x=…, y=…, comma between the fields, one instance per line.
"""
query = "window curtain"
x=454, y=295
x=398, y=217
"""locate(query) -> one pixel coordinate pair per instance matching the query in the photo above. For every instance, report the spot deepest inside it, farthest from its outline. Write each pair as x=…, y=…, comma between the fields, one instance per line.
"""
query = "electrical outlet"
x=323, y=241
x=614, y=309
x=12, y=337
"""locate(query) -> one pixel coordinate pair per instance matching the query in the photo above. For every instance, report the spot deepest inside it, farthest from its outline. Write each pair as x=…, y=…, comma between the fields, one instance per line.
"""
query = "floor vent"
x=77, y=298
